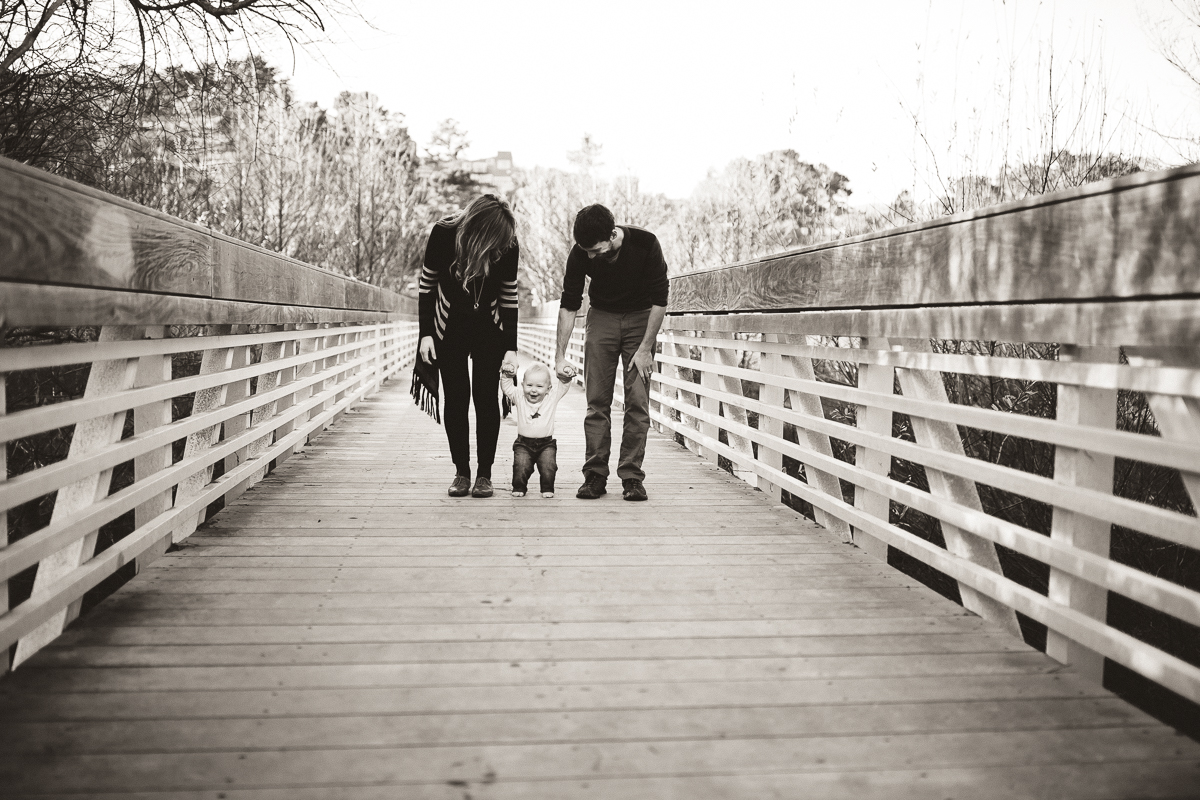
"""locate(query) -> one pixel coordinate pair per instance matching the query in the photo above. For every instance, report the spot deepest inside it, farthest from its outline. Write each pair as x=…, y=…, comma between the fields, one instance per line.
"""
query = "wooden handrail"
x=1129, y=237
x=285, y=350
x=71, y=255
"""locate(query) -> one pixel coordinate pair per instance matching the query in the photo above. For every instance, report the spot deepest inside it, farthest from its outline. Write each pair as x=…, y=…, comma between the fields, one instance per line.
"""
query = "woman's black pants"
x=470, y=336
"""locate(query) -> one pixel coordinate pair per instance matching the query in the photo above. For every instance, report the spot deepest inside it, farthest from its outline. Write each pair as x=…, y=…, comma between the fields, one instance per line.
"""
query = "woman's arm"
x=509, y=301
x=427, y=297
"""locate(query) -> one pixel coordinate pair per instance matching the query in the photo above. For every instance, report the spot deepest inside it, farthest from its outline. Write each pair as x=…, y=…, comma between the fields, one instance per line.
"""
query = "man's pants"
x=526, y=452
x=611, y=338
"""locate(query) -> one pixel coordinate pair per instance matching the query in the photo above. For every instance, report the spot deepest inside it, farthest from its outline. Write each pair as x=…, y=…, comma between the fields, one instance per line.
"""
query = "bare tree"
x=73, y=72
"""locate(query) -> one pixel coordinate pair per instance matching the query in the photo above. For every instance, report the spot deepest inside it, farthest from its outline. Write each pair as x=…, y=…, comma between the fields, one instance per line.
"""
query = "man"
x=628, y=296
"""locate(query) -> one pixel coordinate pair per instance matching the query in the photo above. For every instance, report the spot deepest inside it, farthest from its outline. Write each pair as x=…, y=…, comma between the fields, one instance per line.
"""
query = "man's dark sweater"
x=636, y=280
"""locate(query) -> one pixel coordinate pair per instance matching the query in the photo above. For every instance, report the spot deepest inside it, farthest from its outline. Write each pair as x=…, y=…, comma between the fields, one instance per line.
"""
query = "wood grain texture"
x=51, y=233
x=64, y=306
x=57, y=233
x=1158, y=323
x=547, y=648
x=1129, y=237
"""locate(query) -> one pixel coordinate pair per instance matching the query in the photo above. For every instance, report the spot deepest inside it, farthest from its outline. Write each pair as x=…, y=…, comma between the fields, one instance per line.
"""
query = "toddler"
x=534, y=405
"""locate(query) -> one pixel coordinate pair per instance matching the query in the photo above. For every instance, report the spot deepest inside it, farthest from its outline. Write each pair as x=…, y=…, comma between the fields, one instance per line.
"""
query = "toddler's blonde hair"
x=536, y=369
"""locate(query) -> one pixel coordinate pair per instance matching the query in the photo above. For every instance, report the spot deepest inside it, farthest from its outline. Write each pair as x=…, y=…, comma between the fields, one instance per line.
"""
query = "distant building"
x=495, y=172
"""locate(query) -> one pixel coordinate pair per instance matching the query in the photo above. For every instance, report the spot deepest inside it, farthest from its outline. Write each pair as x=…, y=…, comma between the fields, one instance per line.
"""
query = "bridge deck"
x=346, y=630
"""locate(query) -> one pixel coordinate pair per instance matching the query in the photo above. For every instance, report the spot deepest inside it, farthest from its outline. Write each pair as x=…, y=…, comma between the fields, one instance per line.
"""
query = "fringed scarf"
x=425, y=388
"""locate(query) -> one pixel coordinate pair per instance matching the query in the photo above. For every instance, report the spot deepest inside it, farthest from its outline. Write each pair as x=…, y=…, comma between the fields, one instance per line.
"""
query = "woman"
x=468, y=308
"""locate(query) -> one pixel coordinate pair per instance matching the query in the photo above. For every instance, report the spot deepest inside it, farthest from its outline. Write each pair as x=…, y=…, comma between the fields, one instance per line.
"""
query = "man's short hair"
x=593, y=224
x=536, y=369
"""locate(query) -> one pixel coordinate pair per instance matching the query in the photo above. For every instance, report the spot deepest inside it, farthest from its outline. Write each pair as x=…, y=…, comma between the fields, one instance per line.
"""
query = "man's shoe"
x=593, y=487
x=482, y=487
x=633, y=489
x=461, y=486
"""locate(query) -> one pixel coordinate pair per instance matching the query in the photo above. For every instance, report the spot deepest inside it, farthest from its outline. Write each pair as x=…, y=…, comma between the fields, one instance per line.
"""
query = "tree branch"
x=20, y=50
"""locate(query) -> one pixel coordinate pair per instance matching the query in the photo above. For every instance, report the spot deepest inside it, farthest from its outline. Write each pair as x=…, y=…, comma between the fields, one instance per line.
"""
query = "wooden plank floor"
x=347, y=631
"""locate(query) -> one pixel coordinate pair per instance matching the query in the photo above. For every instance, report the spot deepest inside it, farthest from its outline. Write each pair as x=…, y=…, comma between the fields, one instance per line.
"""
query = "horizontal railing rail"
x=212, y=361
x=968, y=393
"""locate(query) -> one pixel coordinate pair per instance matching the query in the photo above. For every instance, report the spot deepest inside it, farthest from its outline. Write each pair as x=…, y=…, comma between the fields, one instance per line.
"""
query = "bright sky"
x=672, y=90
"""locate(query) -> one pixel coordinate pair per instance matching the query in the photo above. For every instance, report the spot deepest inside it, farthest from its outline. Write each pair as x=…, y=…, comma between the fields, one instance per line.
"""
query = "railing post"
x=297, y=347
x=238, y=390
x=711, y=405
x=730, y=385
x=267, y=382
x=805, y=403
x=105, y=378
x=944, y=436
x=381, y=334
x=1098, y=408
x=770, y=395
x=212, y=361
x=151, y=371
x=4, y=657
x=684, y=397
x=879, y=379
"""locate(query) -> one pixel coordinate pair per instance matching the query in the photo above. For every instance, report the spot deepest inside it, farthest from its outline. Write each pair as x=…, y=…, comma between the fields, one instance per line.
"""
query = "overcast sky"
x=672, y=89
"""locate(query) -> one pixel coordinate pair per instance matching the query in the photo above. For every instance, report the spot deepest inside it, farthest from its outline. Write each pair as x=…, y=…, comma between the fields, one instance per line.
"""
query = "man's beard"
x=610, y=256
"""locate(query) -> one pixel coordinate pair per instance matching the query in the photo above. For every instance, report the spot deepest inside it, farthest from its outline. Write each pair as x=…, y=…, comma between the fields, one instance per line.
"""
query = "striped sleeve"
x=428, y=279
x=508, y=294
x=427, y=298
x=507, y=300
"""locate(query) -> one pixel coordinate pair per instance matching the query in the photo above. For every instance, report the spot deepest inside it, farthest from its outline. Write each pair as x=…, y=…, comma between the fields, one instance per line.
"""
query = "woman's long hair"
x=485, y=226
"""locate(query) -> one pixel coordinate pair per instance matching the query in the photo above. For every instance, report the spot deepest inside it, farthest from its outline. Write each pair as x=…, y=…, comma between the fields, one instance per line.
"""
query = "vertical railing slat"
x=105, y=378
x=296, y=347
x=235, y=391
x=212, y=361
x=732, y=411
x=4, y=657
x=879, y=379
x=151, y=371
x=770, y=395
x=944, y=436
x=806, y=403
x=1078, y=405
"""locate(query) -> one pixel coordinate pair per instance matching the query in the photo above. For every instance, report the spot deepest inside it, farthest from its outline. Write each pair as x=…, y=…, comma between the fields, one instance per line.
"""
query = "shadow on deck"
x=346, y=630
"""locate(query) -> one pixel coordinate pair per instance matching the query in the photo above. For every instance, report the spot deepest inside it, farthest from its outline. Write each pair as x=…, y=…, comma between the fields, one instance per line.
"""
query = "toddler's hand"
x=508, y=369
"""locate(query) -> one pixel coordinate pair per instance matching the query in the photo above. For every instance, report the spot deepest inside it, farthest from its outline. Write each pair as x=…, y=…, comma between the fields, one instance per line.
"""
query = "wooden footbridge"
x=340, y=628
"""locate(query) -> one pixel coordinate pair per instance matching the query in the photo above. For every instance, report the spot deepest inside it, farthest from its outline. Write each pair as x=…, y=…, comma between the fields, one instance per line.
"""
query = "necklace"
x=477, y=295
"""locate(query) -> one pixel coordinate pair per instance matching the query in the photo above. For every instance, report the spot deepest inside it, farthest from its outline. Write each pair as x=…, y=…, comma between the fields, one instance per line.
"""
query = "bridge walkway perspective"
x=344, y=629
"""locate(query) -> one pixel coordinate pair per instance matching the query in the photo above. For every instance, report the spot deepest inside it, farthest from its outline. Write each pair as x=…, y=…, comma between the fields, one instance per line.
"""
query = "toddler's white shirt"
x=535, y=420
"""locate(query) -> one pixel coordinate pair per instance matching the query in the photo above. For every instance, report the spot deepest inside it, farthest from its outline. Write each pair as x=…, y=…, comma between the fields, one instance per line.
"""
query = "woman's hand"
x=510, y=360
x=427, y=350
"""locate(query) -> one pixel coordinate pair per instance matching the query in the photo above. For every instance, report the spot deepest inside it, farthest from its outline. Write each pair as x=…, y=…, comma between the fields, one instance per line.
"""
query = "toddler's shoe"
x=516, y=493
x=547, y=494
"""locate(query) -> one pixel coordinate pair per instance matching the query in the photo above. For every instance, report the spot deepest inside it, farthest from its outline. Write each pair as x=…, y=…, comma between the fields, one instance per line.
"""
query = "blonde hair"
x=536, y=369
x=487, y=224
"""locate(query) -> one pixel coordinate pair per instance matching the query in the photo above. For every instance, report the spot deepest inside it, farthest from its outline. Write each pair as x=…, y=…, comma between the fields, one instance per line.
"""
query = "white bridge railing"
x=282, y=350
x=957, y=370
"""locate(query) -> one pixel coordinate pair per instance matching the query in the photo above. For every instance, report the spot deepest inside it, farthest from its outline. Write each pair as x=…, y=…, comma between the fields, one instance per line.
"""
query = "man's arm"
x=566, y=324
x=643, y=359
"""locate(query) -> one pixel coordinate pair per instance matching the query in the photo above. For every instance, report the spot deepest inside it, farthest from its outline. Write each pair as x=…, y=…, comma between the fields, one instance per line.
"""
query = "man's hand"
x=427, y=350
x=643, y=360
x=565, y=370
